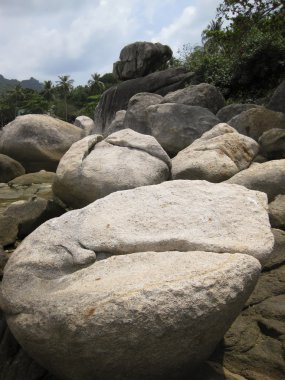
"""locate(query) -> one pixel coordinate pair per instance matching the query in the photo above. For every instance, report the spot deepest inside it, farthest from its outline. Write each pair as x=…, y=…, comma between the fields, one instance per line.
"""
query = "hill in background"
x=9, y=84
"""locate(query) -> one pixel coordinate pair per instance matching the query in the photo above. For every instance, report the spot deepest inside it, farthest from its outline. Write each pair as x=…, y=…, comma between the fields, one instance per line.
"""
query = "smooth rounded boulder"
x=231, y=110
x=216, y=156
x=272, y=143
x=86, y=124
x=38, y=141
x=141, y=273
x=175, y=126
x=9, y=168
x=268, y=177
x=93, y=168
x=204, y=95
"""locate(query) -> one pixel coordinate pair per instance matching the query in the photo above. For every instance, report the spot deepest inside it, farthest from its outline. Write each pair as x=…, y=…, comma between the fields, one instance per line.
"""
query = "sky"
x=47, y=38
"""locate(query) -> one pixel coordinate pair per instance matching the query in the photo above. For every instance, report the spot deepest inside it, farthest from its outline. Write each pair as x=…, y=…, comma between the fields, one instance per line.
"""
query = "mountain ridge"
x=9, y=84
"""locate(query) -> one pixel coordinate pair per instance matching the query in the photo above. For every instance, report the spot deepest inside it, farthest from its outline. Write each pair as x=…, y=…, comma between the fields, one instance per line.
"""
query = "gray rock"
x=117, y=124
x=277, y=212
x=86, y=124
x=92, y=169
x=277, y=101
x=117, y=97
x=9, y=168
x=33, y=178
x=268, y=177
x=203, y=95
x=8, y=230
x=175, y=126
x=228, y=112
x=141, y=58
x=136, y=116
x=272, y=143
x=216, y=156
x=277, y=257
x=38, y=141
x=256, y=121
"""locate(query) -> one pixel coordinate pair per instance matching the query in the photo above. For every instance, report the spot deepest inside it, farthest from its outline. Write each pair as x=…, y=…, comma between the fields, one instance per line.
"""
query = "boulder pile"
x=154, y=246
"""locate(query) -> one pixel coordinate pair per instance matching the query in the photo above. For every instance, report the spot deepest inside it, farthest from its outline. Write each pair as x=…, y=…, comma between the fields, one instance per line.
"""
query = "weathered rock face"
x=38, y=141
x=117, y=97
x=92, y=168
x=33, y=178
x=141, y=58
x=277, y=212
x=94, y=307
x=203, y=95
x=256, y=121
x=272, y=143
x=175, y=126
x=268, y=177
x=117, y=124
x=136, y=116
x=228, y=112
x=216, y=156
x=9, y=168
x=277, y=101
x=86, y=124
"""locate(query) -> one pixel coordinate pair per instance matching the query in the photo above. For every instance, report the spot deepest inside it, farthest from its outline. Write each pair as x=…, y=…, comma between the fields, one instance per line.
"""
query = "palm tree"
x=96, y=86
x=209, y=35
x=65, y=85
x=16, y=94
x=48, y=92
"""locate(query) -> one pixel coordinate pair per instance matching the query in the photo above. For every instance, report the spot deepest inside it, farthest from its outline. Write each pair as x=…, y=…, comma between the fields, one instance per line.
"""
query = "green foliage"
x=245, y=59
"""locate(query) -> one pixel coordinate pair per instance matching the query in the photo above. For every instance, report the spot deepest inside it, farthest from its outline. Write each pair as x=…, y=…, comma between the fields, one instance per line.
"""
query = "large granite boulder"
x=175, y=126
x=216, y=156
x=277, y=212
x=9, y=168
x=277, y=101
x=92, y=168
x=203, y=95
x=38, y=141
x=228, y=112
x=141, y=58
x=117, y=124
x=272, y=143
x=256, y=121
x=117, y=97
x=141, y=273
x=268, y=177
x=136, y=116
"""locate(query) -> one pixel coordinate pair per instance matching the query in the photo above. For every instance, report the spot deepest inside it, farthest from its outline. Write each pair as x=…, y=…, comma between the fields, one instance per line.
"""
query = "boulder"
x=141, y=58
x=256, y=121
x=28, y=215
x=203, y=95
x=8, y=230
x=33, y=178
x=117, y=97
x=117, y=124
x=175, y=126
x=277, y=212
x=92, y=168
x=272, y=143
x=86, y=124
x=268, y=177
x=216, y=156
x=228, y=112
x=38, y=141
x=277, y=101
x=9, y=168
x=136, y=116
x=141, y=273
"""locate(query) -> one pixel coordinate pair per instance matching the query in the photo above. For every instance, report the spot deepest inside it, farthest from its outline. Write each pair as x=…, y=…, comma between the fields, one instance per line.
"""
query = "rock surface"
x=86, y=124
x=117, y=97
x=136, y=116
x=272, y=143
x=277, y=101
x=203, y=95
x=9, y=168
x=277, y=212
x=141, y=58
x=175, y=126
x=228, y=112
x=256, y=121
x=40, y=177
x=38, y=141
x=216, y=156
x=117, y=124
x=92, y=168
x=268, y=177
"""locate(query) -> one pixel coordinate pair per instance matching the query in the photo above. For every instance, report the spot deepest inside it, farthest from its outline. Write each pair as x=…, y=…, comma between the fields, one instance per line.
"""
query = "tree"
x=65, y=85
x=16, y=95
x=48, y=93
x=95, y=84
